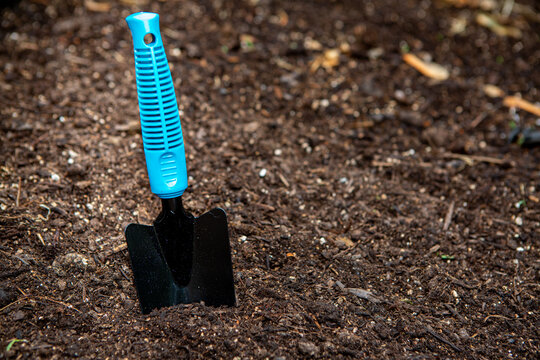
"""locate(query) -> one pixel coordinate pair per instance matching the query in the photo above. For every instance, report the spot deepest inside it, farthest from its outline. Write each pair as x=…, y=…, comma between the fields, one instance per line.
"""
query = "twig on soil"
x=18, y=193
x=441, y=339
x=496, y=316
x=470, y=159
x=265, y=206
x=455, y=313
x=363, y=294
x=492, y=24
x=431, y=70
x=283, y=179
x=507, y=8
x=477, y=120
x=15, y=257
x=449, y=214
x=261, y=238
x=43, y=206
x=40, y=239
x=517, y=102
x=42, y=298
x=461, y=283
x=124, y=274
x=267, y=261
x=315, y=321
x=116, y=249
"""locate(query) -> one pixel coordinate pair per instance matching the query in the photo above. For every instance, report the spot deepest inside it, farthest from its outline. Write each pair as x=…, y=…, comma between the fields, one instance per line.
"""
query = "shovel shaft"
x=160, y=121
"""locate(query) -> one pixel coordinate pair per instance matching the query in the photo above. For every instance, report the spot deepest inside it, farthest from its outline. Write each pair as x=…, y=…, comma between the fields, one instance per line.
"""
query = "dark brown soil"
x=394, y=220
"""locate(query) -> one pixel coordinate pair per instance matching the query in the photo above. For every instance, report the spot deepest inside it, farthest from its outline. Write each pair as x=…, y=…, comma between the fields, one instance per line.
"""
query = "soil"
x=373, y=212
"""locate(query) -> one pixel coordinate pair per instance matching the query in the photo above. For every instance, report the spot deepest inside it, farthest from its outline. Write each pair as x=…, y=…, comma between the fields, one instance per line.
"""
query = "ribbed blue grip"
x=160, y=121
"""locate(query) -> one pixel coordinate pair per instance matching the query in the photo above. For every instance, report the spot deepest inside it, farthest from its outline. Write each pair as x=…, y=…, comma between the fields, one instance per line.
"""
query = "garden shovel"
x=181, y=258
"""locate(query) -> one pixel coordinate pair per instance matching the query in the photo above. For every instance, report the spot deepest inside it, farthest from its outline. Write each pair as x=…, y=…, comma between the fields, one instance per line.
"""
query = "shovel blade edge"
x=212, y=278
x=153, y=279
x=212, y=274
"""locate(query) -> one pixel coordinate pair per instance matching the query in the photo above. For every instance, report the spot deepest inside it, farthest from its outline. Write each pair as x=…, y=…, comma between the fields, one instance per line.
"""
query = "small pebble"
x=262, y=173
x=278, y=152
x=463, y=333
x=519, y=221
x=308, y=348
x=55, y=177
x=375, y=53
x=18, y=315
x=322, y=241
x=61, y=285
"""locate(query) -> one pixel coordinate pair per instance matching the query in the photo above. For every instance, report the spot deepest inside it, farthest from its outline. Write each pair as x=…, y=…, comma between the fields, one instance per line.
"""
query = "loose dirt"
x=374, y=212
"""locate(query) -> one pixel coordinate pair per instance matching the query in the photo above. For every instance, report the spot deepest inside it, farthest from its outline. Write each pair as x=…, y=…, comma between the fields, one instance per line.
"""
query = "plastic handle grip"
x=160, y=121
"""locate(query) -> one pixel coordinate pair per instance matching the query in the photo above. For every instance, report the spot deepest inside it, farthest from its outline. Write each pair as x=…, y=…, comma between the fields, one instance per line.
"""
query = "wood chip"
x=493, y=91
x=97, y=6
x=517, y=102
x=449, y=214
x=483, y=4
x=431, y=70
x=328, y=60
x=492, y=24
x=283, y=180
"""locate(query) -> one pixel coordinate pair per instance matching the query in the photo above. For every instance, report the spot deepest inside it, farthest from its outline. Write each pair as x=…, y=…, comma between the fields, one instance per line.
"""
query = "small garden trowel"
x=181, y=259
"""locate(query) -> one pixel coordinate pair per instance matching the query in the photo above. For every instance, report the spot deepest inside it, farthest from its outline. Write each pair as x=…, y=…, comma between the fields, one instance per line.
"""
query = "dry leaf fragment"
x=432, y=70
x=344, y=241
x=97, y=6
x=489, y=22
x=493, y=91
x=517, y=102
x=364, y=294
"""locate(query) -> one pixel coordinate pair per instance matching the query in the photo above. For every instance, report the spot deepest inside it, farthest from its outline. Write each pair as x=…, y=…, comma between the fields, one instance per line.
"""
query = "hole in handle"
x=149, y=39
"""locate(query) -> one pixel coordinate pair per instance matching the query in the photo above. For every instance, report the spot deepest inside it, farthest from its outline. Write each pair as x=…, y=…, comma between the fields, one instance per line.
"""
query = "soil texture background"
x=374, y=212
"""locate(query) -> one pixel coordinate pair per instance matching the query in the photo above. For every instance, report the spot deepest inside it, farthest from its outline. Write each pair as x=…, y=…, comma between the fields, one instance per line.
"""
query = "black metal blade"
x=211, y=278
x=153, y=279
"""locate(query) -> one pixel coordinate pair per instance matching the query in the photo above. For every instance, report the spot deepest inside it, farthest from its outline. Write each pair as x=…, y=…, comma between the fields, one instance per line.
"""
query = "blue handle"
x=160, y=121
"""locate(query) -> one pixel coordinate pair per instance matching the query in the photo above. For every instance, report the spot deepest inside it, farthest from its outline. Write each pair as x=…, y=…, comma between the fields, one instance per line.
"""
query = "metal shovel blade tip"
x=211, y=280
